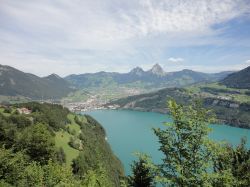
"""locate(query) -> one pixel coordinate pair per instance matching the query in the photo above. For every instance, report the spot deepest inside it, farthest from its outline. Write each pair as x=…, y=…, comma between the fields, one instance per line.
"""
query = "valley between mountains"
x=227, y=93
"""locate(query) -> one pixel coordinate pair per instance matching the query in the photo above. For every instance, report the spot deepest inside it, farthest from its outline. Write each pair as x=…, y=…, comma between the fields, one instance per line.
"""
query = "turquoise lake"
x=131, y=131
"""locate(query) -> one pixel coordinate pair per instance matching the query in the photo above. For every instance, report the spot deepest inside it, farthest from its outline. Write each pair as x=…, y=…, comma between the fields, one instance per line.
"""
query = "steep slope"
x=76, y=142
x=157, y=70
x=58, y=85
x=240, y=79
x=17, y=83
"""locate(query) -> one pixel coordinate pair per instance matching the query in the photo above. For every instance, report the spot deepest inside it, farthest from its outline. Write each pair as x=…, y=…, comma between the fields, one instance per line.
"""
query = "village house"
x=24, y=111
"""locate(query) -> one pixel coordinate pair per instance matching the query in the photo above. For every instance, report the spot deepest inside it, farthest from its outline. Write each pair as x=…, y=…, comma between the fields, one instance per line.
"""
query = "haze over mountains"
x=17, y=83
x=155, y=77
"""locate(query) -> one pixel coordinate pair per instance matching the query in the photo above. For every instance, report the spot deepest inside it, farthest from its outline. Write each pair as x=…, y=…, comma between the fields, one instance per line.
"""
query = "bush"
x=38, y=143
x=61, y=156
x=7, y=110
x=74, y=143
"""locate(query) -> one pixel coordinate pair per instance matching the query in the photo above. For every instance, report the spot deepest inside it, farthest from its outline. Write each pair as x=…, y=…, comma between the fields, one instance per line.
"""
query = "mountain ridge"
x=155, y=77
x=14, y=82
x=240, y=79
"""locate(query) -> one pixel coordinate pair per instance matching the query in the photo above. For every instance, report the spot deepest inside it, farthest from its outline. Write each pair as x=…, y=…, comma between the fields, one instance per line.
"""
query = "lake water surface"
x=131, y=131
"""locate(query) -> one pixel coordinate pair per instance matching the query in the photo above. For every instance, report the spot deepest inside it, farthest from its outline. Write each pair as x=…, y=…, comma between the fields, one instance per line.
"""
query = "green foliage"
x=7, y=110
x=95, y=151
x=62, y=139
x=142, y=175
x=95, y=125
x=189, y=155
x=53, y=115
x=20, y=120
x=7, y=131
x=57, y=175
x=97, y=178
x=38, y=143
x=74, y=142
x=61, y=156
x=35, y=149
x=15, y=169
x=11, y=165
x=237, y=162
x=32, y=175
x=185, y=146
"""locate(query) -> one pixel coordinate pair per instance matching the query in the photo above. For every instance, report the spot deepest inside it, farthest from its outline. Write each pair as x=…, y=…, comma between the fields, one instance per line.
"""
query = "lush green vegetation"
x=52, y=147
x=190, y=157
x=230, y=105
x=62, y=139
x=36, y=149
x=142, y=174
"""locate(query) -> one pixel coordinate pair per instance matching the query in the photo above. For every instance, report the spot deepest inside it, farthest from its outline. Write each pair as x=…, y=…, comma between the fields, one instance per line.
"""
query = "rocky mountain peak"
x=138, y=71
x=53, y=76
x=157, y=69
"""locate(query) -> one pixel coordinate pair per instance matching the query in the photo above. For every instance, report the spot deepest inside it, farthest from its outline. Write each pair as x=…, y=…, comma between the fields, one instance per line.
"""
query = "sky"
x=78, y=36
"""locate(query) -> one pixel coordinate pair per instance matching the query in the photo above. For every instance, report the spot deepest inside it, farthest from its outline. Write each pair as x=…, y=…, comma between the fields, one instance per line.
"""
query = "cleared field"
x=62, y=139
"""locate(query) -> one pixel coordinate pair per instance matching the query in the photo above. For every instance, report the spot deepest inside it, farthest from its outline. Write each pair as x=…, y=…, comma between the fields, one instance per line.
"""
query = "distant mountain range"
x=153, y=78
x=230, y=103
x=240, y=79
x=17, y=83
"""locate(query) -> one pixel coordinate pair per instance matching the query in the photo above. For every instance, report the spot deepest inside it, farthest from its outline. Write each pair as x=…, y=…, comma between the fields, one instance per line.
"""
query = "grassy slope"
x=62, y=138
x=94, y=146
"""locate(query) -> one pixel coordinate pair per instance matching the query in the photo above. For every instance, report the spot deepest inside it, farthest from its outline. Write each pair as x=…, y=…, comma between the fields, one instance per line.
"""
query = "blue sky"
x=78, y=36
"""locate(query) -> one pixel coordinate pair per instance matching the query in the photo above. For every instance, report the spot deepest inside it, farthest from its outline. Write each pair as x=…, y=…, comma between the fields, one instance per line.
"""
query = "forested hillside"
x=240, y=79
x=46, y=145
x=231, y=106
x=17, y=83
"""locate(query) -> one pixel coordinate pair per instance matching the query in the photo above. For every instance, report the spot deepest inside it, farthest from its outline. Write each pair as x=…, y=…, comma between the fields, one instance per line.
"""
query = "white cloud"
x=98, y=34
x=248, y=62
x=175, y=60
x=108, y=22
x=206, y=68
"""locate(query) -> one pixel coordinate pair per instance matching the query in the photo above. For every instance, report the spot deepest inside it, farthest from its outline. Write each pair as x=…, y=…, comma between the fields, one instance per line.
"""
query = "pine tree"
x=142, y=175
